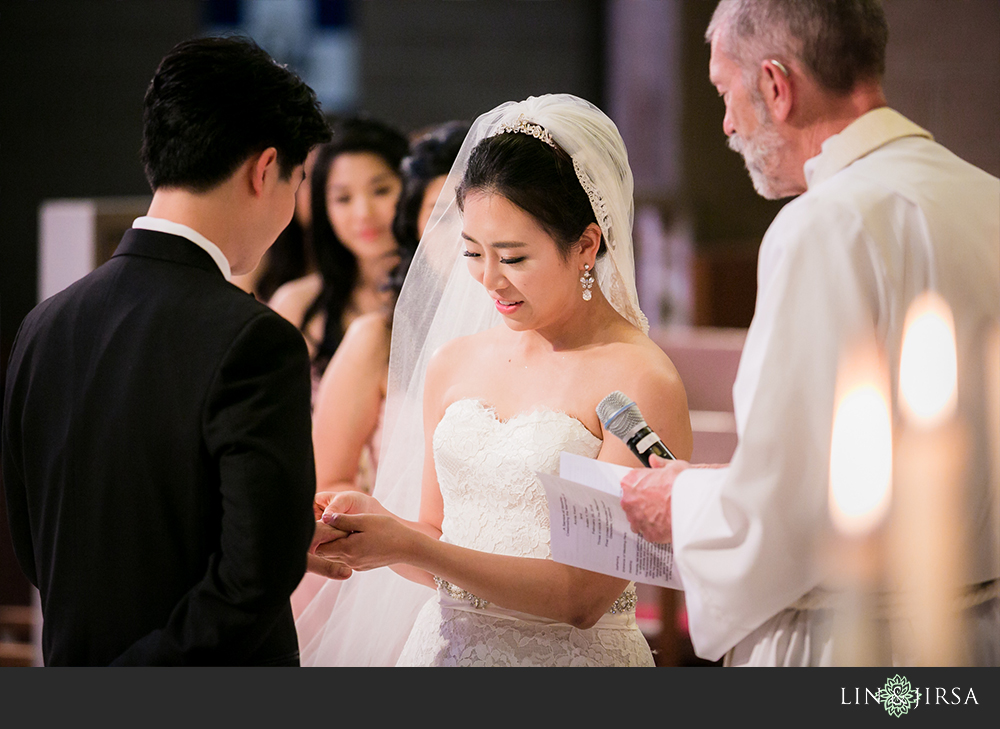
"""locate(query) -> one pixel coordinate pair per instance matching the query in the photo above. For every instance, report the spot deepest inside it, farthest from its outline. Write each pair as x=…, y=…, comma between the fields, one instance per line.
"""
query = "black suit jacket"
x=158, y=464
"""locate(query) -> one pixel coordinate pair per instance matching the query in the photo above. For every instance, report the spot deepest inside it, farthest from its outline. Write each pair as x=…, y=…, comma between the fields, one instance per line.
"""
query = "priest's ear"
x=777, y=88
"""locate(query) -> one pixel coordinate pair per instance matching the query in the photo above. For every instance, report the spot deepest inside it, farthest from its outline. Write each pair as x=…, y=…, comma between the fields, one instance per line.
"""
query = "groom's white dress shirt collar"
x=147, y=222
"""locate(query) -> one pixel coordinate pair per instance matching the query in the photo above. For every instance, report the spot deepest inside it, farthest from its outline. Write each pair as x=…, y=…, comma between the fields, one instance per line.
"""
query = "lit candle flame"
x=930, y=549
x=928, y=365
x=861, y=448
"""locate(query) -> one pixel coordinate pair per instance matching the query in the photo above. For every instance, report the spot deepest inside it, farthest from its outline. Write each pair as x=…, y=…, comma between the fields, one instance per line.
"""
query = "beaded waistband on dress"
x=624, y=604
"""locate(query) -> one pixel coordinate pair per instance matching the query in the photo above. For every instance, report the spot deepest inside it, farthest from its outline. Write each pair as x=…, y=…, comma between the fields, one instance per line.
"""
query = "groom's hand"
x=324, y=533
x=322, y=500
x=327, y=567
x=329, y=503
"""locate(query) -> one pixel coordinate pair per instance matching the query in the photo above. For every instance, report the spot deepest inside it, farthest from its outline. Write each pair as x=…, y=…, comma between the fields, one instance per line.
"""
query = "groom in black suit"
x=157, y=457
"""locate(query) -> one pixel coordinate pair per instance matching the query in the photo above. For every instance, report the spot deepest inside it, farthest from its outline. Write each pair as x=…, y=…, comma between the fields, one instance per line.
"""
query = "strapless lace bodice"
x=494, y=503
x=486, y=468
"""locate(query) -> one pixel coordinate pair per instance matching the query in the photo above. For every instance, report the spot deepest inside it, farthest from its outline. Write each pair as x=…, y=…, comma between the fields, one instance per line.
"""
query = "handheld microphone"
x=621, y=416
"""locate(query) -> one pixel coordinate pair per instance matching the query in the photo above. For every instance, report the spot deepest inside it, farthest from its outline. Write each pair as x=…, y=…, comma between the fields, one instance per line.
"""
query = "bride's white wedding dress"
x=494, y=503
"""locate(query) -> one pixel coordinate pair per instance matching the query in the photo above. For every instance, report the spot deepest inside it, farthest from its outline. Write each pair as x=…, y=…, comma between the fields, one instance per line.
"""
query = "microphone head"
x=620, y=415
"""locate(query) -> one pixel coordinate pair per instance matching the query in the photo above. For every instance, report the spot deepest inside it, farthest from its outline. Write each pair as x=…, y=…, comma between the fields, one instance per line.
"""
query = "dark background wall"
x=73, y=73
x=72, y=77
x=427, y=62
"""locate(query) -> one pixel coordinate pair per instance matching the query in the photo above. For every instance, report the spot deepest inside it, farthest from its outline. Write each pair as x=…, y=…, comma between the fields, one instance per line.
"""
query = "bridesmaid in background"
x=356, y=183
x=347, y=414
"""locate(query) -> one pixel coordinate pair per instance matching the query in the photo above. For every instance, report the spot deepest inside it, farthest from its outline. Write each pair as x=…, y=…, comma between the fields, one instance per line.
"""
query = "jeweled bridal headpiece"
x=522, y=126
x=591, y=140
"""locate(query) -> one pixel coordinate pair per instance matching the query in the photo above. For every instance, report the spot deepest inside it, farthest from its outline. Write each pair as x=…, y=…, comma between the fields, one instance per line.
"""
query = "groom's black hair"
x=215, y=101
x=537, y=178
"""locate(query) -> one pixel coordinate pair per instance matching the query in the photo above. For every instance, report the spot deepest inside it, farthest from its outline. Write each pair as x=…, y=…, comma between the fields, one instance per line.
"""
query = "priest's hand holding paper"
x=646, y=494
x=646, y=498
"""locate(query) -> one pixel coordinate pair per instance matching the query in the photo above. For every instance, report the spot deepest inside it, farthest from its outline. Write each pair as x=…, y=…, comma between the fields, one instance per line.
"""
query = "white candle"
x=931, y=449
x=928, y=365
x=861, y=460
x=860, y=492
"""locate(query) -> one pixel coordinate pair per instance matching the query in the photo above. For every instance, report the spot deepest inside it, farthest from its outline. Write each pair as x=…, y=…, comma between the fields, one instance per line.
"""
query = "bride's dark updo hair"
x=537, y=178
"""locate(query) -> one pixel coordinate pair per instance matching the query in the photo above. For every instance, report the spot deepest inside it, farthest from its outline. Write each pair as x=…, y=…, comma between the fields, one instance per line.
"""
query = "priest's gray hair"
x=840, y=43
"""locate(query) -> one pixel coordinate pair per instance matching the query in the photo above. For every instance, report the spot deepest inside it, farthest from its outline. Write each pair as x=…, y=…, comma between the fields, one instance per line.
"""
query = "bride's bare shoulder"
x=628, y=339
x=634, y=356
x=638, y=367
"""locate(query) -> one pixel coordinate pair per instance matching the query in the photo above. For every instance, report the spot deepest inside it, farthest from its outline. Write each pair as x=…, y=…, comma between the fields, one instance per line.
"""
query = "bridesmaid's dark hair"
x=337, y=265
x=431, y=155
x=537, y=178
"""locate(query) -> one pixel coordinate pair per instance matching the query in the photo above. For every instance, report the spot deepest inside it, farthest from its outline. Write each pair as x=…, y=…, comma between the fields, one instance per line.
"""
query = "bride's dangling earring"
x=587, y=279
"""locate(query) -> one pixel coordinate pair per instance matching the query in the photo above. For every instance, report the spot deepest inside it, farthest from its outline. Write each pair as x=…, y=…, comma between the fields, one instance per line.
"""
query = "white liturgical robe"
x=888, y=214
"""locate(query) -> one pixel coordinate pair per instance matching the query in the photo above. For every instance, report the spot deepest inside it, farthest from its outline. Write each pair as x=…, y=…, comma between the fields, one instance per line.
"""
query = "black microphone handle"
x=652, y=445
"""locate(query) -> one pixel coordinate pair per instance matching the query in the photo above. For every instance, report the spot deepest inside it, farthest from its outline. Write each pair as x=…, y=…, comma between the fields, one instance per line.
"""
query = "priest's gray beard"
x=761, y=154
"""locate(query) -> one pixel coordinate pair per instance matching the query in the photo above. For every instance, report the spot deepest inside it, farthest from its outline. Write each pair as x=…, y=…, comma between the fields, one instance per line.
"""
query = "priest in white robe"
x=882, y=214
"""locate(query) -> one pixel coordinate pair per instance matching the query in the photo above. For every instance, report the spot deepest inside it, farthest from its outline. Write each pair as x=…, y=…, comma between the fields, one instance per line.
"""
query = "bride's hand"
x=373, y=540
x=345, y=502
x=326, y=505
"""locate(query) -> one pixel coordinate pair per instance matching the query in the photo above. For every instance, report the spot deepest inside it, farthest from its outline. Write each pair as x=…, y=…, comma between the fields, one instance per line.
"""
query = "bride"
x=518, y=316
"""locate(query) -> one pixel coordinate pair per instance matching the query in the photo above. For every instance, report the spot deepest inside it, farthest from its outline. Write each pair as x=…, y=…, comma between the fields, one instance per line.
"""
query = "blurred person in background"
x=425, y=170
x=356, y=184
x=348, y=411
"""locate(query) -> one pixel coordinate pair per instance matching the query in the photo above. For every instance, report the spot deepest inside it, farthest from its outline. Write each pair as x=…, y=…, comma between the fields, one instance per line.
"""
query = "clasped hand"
x=354, y=531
